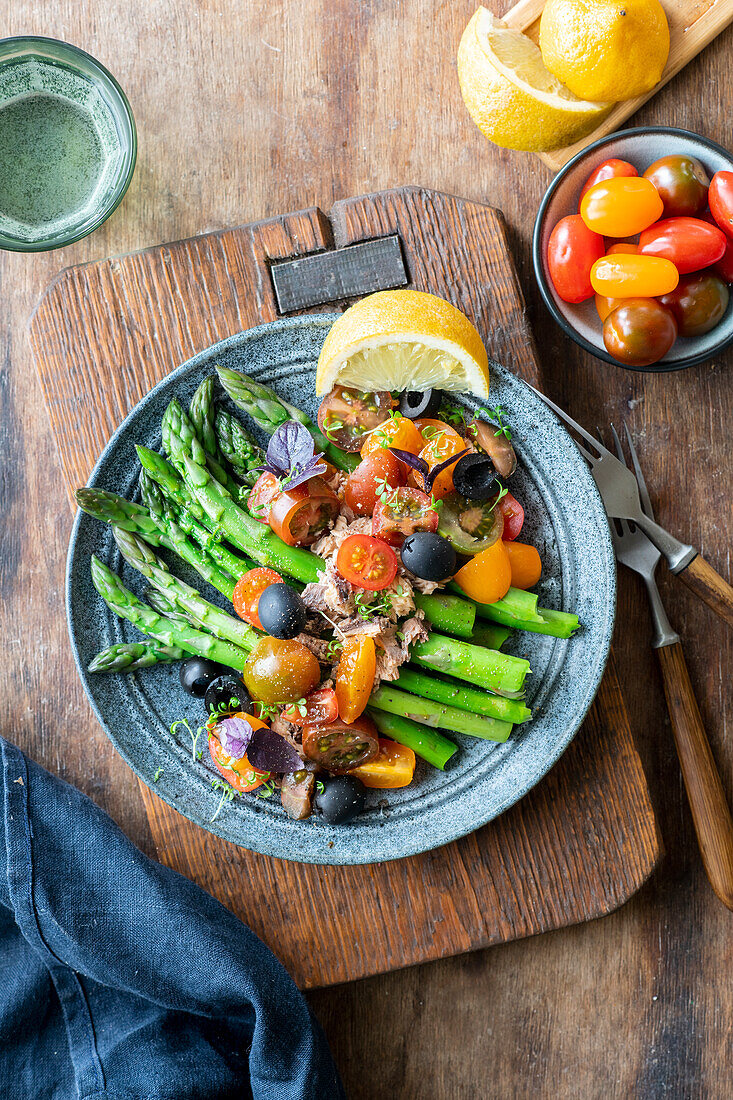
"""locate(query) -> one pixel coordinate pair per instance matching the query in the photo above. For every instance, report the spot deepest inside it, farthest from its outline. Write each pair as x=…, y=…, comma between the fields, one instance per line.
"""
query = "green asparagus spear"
x=125, y=604
x=179, y=437
x=238, y=447
x=423, y=740
x=430, y=713
x=166, y=476
x=201, y=413
x=137, y=554
x=160, y=603
x=447, y=612
x=490, y=635
x=486, y=668
x=519, y=610
x=270, y=411
x=130, y=656
x=432, y=686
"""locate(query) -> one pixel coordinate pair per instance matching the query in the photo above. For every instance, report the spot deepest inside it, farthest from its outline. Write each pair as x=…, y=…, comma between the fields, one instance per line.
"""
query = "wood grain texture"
x=693, y=24
x=708, y=803
x=246, y=110
x=537, y=867
x=705, y=582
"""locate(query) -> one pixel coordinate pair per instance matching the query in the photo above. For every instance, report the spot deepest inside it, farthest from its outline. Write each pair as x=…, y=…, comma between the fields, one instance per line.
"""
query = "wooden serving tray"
x=581, y=842
x=692, y=25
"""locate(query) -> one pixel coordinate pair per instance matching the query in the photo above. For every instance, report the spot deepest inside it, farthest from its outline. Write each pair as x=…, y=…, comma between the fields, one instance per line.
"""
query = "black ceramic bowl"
x=641, y=147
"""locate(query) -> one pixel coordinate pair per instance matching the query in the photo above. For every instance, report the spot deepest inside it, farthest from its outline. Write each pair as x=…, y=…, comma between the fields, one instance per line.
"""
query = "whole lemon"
x=605, y=50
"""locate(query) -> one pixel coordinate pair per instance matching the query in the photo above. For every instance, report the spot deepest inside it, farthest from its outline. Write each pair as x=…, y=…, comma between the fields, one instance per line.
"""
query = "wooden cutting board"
x=581, y=842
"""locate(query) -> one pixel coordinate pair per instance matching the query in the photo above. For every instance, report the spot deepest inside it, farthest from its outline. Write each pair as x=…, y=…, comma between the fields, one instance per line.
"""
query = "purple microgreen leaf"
x=430, y=477
x=269, y=752
x=291, y=455
x=410, y=459
x=235, y=735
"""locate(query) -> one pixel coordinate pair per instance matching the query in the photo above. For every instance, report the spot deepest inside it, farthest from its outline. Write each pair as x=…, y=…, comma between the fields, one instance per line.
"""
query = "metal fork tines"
x=620, y=492
x=637, y=552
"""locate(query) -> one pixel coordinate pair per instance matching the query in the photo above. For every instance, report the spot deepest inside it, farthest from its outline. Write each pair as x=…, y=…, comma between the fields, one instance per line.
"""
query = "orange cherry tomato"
x=622, y=248
x=238, y=773
x=355, y=676
x=441, y=441
x=248, y=590
x=633, y=276
x=399, y=432
x=487, y=577
x=621, y=207
x=393, y=767
x=525, y=564
x=429, y=427
x=604, y=306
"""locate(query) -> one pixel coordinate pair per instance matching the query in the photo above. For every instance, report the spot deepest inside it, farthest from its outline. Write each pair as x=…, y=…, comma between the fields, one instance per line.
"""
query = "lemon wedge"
x=403, y=340
x=512, y=97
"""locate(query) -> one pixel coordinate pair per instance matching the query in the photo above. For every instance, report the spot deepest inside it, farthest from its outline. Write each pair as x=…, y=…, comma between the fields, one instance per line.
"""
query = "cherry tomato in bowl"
x=633, y=276
x=441, y=445
x=690, y=243
x=247, y=592
x=367, y=562
x=621, y=207
x=720, y=198
x=301, y=515
x=280, y=671
x=682, y=184
x=607, y=170
x=345, y=416
x=362, y=485
x=402, y=513
x=640, y=332
x=572, y=250
x=698, y=303
x=513, y=515
x=392, y=767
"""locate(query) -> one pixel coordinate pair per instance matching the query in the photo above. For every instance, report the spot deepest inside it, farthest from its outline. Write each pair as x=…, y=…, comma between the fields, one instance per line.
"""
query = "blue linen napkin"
x=122, y=980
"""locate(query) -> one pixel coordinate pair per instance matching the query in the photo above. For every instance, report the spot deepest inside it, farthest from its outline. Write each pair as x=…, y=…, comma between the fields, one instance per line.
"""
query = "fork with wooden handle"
x=710, y=812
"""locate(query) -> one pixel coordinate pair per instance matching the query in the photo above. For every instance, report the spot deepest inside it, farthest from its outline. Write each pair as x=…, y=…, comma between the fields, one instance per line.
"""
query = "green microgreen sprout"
x=320, y=786
x=195, y=754
x=266, y=790
x=227, y=794
x=497, y=415
x=157, y=775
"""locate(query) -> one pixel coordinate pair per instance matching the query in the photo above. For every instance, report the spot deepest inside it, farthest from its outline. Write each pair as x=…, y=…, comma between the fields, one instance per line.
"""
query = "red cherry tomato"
x=261, y=496
x=571, y=252
x=720, y=197
x=609, y=169
x=621, y=207
x=360, y=491
x=320, y=707
x=248, y=590
x=724, y=266
x=401, y=514
x=639, y=332
x=367, y=562
x=690, y=243
x=513, y=514
x=301, y=515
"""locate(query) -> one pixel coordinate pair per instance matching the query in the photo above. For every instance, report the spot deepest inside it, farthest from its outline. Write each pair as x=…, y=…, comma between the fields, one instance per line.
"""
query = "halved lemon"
x=511, y=96
x=403, y=340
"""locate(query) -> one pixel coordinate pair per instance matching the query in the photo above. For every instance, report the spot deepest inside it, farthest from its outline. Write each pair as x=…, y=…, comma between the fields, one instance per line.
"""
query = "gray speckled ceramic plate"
x=565, y=520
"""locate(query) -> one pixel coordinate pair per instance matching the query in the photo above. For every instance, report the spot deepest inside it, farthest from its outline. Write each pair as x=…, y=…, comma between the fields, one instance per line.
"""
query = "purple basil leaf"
x=269, y=752
x=415, y=461
x=439, y=467
x=300, y=476
x=235, y=735
x=291, y=445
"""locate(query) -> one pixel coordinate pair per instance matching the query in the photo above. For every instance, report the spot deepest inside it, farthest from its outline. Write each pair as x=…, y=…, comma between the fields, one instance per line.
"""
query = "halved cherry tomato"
x=682, y=183
x=633, y=276
x=487, y=577
x=608, y=170
x=513, y=514
x=442, y=441
x=402, y=513
x=398, y=431
x=367, y=562
x=720, y=197
x=261, y=496
x=429, y=427
x=494, y=442
x=341, y=746
x=355, y=675
x=690, y=243
x=360, y=491
x=525, y=563
x=321, y=707
x=392, y=767
x=572, y=250
x=247, y=592
x=621, y=207
x=301, y=515
x=345, y=416
x=238, y=773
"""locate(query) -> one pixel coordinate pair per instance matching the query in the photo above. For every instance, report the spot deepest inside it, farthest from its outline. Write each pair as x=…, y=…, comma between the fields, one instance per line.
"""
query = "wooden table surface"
x=246, y=110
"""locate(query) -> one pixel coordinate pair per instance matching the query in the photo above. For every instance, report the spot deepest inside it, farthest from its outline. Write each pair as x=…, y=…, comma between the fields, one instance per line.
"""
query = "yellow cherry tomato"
x=525, y=564
x=622, y=248
x=622, y=206
x=488, y=576
x=604, y=306
x=355, y=675
x=399, y=432
x=633, y=276
x=394, y=766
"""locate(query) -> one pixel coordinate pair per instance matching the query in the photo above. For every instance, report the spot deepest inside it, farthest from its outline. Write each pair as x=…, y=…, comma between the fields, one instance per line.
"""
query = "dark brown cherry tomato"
x=320, y=708
x=341, y=746
x=698, y=302
x=720, y=197
x=247, y=592
x=367, y=562
x=279, y=671
x=346, y=416
x=402, y=513
x=301, y=515
x=639, y=332
x=261, y=496
x=690, y=243
x=360, y=491
x=682, y=183
x=572, y=250
x=495, y=444
x=608, y=170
